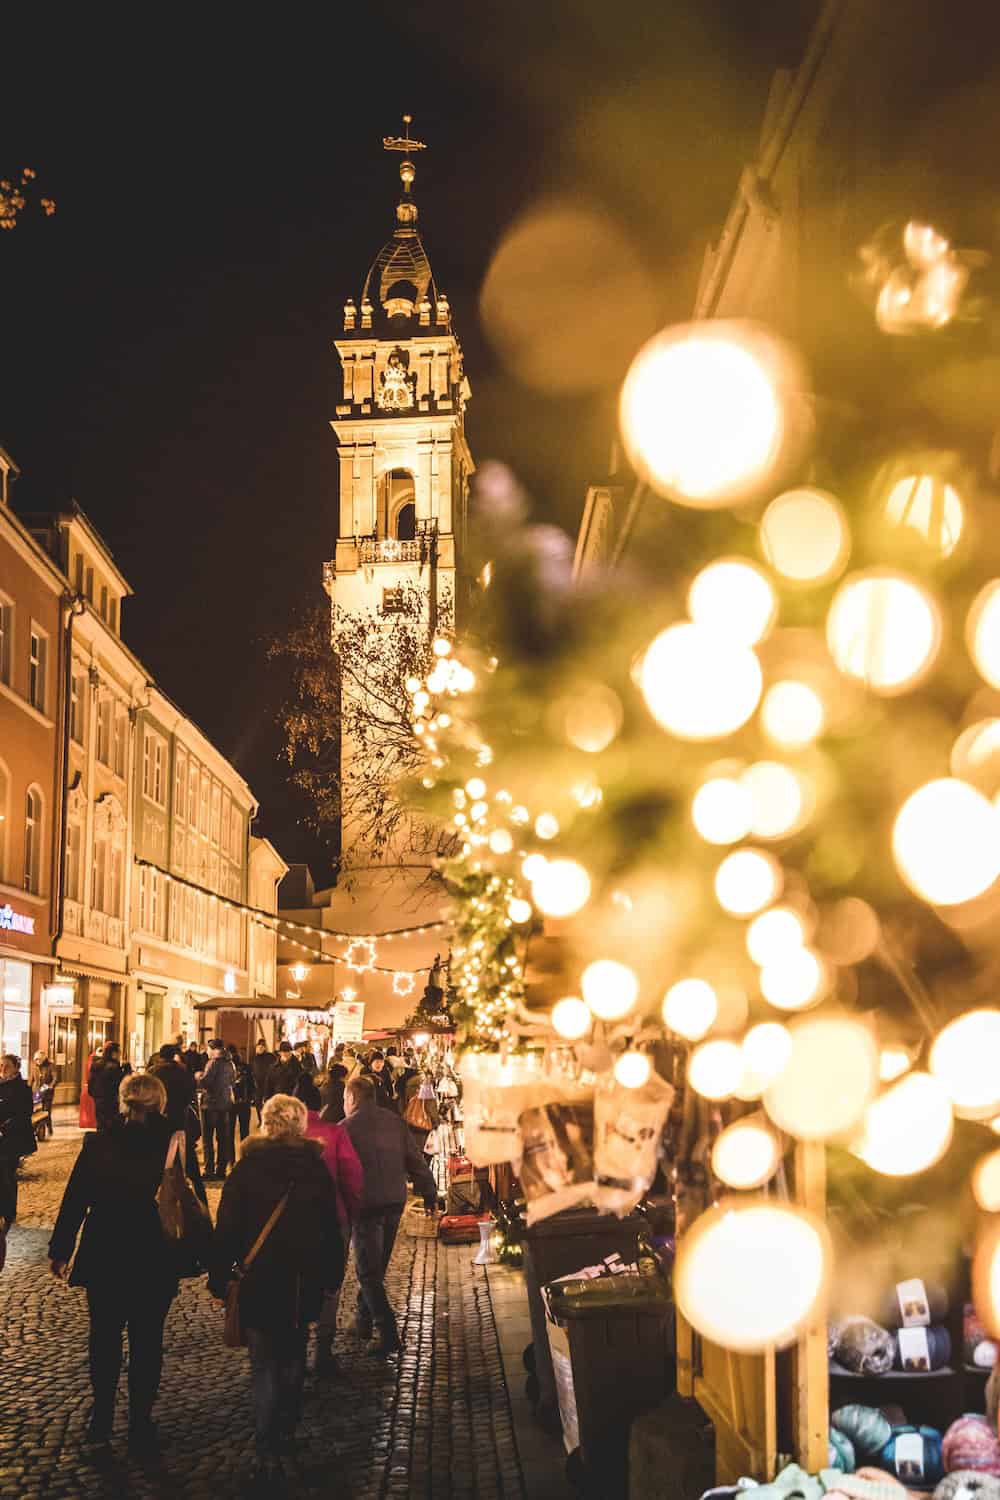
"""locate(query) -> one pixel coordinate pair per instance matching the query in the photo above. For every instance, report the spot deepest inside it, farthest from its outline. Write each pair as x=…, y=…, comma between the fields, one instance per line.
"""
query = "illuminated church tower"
x=405, y=465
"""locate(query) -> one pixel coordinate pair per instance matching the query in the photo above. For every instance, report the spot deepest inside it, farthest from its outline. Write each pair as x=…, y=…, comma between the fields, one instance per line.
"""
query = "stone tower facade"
x=404, y=463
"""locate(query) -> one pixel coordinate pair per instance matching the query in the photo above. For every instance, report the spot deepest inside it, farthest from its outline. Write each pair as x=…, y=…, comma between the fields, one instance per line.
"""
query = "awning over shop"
x=90, y=971
x=261, y=1007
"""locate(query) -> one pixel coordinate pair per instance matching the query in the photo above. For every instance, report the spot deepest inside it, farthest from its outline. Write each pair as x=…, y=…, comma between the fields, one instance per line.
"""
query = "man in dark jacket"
x=380, y=1076
x=388, y=1156
x=17, y=1138
x=194, y=1059
x=181, y=1111
x=261, y=1063
x=216, y=1085
x=301, y=1259
x=284, y=1075
x=106, y=1074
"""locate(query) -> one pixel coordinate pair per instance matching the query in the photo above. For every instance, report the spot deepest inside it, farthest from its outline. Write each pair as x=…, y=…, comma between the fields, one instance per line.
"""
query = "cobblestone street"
x=434, y=1423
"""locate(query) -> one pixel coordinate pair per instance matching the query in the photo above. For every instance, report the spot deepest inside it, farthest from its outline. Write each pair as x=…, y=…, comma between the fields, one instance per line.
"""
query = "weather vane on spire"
x=404, y=143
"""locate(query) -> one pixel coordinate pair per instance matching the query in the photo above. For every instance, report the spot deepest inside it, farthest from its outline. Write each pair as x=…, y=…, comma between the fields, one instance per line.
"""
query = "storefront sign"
x=16, y=921
x=348, y=1021
x=59, y=996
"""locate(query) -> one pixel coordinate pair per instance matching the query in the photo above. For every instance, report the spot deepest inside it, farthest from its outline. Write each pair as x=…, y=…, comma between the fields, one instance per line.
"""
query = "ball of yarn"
x=985, y=1355
x=867, y=1428
x=840, y=1452
x=938, y=1348
x=933, y=1465
x=936, y=1306
x=865, y=1347
x=978, y=1348
x=967, y=1484
x=971, y=1444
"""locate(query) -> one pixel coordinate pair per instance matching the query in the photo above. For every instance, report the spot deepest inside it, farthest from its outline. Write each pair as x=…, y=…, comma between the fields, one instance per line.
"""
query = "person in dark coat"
x=106, y=1074
x=306, y=1059
x=124, y=1258
x=243, y=1095
x=332, y=1093
x=216, y=1085
x=284, y=1075
x=43, y=1087
x=381, y=1079
x=302, y=1258
x=181, y=1112
x=388, y=1156
x=17, y=1136
x=261, y=1064
x=194, y=1059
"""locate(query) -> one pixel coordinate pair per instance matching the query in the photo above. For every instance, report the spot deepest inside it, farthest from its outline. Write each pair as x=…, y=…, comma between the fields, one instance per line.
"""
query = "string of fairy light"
x=755, y=699
x=360, y=953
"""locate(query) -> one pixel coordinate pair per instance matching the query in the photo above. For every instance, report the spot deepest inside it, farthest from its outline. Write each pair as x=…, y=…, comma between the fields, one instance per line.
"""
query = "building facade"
x=34, y=609
x=192, y=847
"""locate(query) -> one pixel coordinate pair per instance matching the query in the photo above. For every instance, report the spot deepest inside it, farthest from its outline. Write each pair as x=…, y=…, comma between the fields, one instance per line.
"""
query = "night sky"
x=221, y=189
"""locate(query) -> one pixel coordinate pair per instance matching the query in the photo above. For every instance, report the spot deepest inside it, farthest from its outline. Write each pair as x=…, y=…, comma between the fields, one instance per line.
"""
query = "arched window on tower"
x=406, y=522
x=396, y=495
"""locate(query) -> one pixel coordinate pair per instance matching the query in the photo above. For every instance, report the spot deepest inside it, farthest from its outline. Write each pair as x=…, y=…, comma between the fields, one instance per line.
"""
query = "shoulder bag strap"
x=177, y=1144
x=258, y=1243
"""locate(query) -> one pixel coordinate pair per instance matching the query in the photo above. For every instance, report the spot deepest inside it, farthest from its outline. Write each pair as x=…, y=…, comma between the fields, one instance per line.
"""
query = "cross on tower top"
x=406, y=144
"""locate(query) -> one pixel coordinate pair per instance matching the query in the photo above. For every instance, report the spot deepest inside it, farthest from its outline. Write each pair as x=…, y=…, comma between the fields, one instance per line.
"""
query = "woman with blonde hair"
x=281, y=1195
x=123, y=1260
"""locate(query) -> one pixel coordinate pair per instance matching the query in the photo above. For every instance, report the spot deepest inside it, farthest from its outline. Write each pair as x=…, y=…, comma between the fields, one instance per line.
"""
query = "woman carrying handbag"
x=278, y=1239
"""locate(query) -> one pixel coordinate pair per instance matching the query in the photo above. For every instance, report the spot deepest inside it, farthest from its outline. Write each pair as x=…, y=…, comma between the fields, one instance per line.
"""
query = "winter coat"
x=308, y=1063
x=216, y=1083
x=243, y=1087
x=333, y=1101
x=388, y=1155
x=103, y=1084
x=383, y=1085
x=111, y=1192
x=180, y=1087
x=283, y=1077
x=303, y=1255
x=194, y=1061
x=43, y=1075
x=260, y=1065
x=341, y=1161
x=17, y=1134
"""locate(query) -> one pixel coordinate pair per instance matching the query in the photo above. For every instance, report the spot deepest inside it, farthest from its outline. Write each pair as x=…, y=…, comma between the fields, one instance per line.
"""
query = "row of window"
x=38, y=655
x=22, y=837
x=202, y=805
x=104, y=602
x=111, y=745
x=106, y=865
x=194, y=918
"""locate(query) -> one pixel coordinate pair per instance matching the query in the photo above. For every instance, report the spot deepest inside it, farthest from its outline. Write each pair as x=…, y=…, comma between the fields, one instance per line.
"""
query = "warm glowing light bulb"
x=300, y=972
x=442, y=647
x=893, y=1062
x=804, y=536
x=476, y=788
x=982, y=632
x=571, y=1018
x=746, y=881
x=828, y=1080
x=770, y=935
x=746, y=1154
x=501, y=841
x=752, y=1277
x=792, y=714
x=929, y=507
x=946, y=842
x=610, y=989
x=690, y=1007
x=533, y=865
x=592, y=718
x=908, y=1128
x=766, y=1049
x=699, y=685
x=733, y=598
x=715, y=1068
x=965, y=1060
x=701, y=413
x=883, y=629
x=478, y=811
x=975, y=755
x=632, y=1070
x=794, y=979
x=562, y=888
x=412, y=685
x=986, y=1278
x=722, y=810
x=986, y=1183
x=546, y=825
x=778, y=797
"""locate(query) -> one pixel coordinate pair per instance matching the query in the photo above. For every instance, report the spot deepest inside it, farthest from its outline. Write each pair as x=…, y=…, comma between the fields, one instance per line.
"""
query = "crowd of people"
x=326, y=1172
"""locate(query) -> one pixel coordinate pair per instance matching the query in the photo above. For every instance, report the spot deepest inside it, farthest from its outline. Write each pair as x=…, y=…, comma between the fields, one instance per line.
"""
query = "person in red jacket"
x=344, y=1166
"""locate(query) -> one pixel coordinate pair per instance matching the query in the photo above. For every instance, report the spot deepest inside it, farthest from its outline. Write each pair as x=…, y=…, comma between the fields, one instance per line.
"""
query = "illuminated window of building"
x=74, y=860
x=6, y=638
x=77, y=706
x=37, y=665
x=105, y=718
x=121, y=739
x=33, y=840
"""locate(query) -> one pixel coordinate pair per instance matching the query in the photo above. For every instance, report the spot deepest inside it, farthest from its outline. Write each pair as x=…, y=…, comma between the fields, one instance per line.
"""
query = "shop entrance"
x=15, y=1008
x=149, y=1015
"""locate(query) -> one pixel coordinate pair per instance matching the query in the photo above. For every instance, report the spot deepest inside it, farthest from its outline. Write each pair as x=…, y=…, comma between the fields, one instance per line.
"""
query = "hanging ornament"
x=403, y=983
x=360, y=955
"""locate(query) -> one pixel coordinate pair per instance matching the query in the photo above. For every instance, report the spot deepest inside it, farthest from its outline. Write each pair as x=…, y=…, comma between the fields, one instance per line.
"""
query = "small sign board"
x=348, y=1021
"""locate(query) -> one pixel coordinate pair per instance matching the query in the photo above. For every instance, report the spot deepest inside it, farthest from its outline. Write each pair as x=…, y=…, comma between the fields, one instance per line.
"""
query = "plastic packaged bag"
x=494, y=1092
x=628, y=1128
x=557, y=1155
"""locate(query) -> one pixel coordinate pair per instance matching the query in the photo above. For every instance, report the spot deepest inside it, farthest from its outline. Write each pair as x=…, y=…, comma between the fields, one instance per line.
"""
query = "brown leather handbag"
x=233, y=1335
